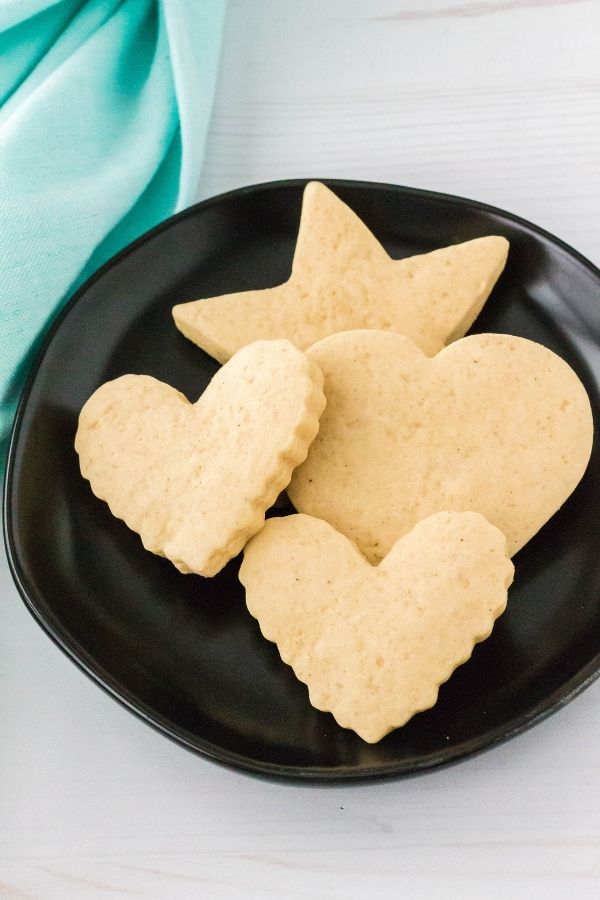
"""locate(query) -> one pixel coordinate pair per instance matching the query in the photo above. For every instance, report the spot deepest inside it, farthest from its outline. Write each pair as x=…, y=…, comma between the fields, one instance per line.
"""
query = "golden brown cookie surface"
x=194, y=480
x=373, y=644
x=494, y=423
x=342, y=278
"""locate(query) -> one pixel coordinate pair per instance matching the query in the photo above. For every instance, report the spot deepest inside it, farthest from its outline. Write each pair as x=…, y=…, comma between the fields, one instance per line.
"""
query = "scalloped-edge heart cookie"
x=373, y=644
x=194, y=480
x=342, y=278
x=494, y=423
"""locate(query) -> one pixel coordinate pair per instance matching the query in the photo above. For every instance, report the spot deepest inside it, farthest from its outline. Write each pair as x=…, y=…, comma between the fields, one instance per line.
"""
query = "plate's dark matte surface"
x=182, y=651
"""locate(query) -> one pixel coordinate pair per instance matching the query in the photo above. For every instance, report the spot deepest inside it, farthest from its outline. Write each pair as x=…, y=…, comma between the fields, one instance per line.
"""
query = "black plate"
x=182, y=652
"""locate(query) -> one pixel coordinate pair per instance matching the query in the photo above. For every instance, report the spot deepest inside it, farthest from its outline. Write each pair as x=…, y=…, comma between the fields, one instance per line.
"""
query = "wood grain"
x=502, y=107
x=468, y=10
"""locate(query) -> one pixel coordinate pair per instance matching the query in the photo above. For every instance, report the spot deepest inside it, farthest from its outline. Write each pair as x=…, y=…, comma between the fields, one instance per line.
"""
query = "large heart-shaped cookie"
x=194, y=480
x=493, y=423
x=372, y=644
x=342, y=278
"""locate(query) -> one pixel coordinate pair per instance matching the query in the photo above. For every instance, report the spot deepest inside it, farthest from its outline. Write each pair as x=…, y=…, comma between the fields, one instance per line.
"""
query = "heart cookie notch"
x=194, y=480
x=494, y=423
x=343, y=278
x=373, y=644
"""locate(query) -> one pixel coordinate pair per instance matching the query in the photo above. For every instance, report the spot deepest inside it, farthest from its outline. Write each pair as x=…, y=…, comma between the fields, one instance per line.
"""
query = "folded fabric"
x=104, y=112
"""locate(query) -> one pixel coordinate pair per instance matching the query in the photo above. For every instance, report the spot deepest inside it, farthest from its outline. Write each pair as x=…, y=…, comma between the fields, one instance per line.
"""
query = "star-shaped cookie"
x=343, y=279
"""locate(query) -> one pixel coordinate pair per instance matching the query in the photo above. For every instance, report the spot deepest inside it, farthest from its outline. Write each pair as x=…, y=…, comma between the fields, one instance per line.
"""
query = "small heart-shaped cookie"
x=372, y=644
x=342, y=278
x=493, y=423
x=194, y=480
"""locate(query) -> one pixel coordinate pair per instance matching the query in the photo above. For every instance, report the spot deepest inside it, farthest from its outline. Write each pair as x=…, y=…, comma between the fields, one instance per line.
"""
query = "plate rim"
x=298, y=774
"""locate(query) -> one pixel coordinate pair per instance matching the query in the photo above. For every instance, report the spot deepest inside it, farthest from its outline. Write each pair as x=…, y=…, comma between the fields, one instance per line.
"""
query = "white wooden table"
x=493, y=99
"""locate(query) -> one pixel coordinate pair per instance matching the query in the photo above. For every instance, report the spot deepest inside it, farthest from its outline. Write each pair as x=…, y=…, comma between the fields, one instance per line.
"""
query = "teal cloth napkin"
x=104, y=110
